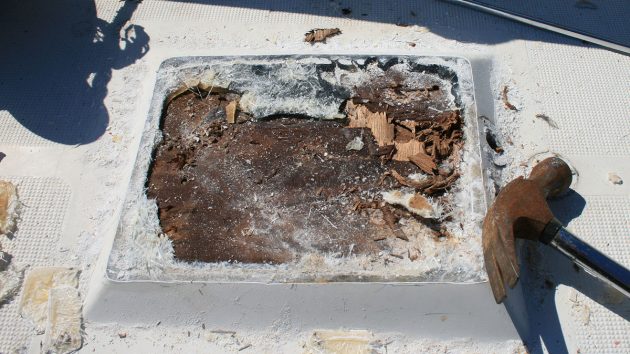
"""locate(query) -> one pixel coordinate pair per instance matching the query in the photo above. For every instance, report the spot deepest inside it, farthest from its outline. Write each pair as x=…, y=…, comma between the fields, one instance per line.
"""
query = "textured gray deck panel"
x=606, y=20
x=585, y=109
x=604, y=218
x=44, y=207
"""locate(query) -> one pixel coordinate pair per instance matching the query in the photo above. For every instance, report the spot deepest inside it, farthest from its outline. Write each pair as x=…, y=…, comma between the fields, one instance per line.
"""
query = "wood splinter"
x=506, y=102
x=320, y=34
x=424, y=162
x=230, y=112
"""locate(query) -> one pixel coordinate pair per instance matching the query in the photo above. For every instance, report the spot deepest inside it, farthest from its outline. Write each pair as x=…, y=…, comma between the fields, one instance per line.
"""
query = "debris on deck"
x=9, y=206
x=320, y=34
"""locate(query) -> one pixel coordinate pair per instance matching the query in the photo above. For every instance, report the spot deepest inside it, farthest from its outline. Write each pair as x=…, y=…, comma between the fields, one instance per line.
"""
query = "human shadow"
x=532, y=303
x=56, y=62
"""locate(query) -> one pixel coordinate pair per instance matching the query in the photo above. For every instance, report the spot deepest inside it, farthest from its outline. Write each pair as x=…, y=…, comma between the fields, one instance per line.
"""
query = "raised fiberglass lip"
x=150, y=138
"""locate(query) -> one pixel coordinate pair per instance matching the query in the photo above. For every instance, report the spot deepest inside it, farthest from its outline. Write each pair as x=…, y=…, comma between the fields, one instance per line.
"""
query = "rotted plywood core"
x=306, y=168
x=232, y=187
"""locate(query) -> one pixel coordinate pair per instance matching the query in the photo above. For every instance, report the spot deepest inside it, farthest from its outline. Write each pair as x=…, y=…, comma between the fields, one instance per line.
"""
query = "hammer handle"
x=597, y=263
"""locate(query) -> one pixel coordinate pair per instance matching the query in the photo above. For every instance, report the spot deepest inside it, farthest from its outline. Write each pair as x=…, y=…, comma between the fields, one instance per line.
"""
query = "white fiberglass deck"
x=76, y=81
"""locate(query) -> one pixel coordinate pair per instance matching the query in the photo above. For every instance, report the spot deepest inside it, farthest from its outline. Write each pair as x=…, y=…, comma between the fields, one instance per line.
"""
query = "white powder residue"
x=196, y=339
x=10, y=281
x=10, y=209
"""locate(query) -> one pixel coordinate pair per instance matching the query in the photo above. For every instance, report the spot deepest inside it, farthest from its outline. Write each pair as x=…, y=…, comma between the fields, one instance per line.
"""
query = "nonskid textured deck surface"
x=74, y=97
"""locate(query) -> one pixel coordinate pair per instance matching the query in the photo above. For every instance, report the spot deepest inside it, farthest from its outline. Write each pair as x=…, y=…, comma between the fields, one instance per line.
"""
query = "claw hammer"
x=521, y=211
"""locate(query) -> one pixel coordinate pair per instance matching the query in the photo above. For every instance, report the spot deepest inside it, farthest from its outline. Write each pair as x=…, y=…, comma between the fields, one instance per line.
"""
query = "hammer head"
x=520, y=210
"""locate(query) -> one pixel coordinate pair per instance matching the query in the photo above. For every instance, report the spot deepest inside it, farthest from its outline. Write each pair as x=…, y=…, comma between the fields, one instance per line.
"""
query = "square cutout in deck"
x=306, y=168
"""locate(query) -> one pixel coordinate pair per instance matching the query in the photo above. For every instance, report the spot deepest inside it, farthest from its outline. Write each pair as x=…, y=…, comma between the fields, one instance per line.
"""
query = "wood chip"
x=382, y=130
x=403, y=134
x=420, y=207
x=448, y=119
x=410, y=124
x=360, y=205
x=441, y=183
x=420, y=202
x=408, y=149
x=433, y=150
x=614, y=178
x=230, y=112
x=424, y=162
x=320, y=34
x=506, y=102
x=390, y=218
x=357, y=115
x=361, y=117
x=386, y=150
x=444, y=147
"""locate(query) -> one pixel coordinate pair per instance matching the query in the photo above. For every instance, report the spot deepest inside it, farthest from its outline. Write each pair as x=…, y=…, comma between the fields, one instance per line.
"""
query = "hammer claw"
x=494, y=276
x=520, y=210
x=506, y=257
x=498, y=266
